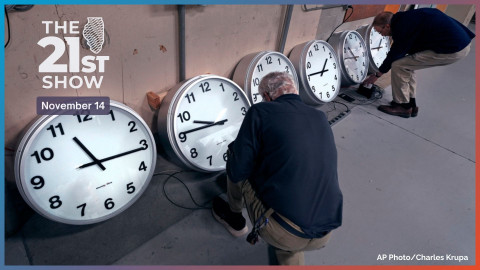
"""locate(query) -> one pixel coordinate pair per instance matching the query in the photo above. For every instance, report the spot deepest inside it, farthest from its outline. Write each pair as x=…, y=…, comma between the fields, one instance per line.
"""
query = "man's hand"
x=372, y=78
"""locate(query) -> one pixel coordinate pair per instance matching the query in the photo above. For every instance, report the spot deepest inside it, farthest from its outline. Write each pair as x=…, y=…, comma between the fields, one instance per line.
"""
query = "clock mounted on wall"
x=318, y=70
x=253, y=67
x=83, y=169
x=197, y=120
x=353, y=56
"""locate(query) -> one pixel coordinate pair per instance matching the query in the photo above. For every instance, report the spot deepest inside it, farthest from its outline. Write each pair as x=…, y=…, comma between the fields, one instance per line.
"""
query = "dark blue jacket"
x=287, y=151
x=425, y=29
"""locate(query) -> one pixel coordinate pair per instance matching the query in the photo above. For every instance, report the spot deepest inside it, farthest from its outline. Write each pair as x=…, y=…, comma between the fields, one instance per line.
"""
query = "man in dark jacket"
x=422, y=38
x=283, y=165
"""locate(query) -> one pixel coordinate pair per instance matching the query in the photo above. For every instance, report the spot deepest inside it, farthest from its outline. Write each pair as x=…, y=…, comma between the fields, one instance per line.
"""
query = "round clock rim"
x=311, y=98
x=339, y=38
x=365, y=30
x=34, y=129
x=170, y=117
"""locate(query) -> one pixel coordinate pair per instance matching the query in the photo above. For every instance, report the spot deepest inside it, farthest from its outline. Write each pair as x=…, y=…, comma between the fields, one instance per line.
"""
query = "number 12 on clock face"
x=83, y=169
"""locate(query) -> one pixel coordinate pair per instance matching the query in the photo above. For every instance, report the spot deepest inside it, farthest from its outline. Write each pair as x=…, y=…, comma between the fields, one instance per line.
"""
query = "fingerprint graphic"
x=93, y=32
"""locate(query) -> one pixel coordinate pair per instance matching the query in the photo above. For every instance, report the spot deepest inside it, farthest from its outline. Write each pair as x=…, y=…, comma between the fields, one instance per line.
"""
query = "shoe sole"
x=231, y=230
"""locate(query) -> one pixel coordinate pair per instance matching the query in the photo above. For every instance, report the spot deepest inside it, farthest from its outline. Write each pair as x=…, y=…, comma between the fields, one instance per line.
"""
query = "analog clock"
x=198, y=119
x=378, y=46
x=82, y=169
x=353, y=56
x=319, y=71
x=253, y=67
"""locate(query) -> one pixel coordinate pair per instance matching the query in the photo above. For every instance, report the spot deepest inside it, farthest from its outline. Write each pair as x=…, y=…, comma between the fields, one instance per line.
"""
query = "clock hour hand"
x=355, y=57
x=113, y=157
x=95, y=160
x=183, y=134
x=202, y=122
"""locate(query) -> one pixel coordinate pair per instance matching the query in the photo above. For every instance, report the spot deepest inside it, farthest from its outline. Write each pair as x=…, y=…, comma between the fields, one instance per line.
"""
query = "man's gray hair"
x=276, y=84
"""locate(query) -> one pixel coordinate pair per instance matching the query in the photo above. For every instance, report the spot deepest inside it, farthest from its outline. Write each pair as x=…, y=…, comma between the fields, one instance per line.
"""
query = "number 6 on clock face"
x=82, y=169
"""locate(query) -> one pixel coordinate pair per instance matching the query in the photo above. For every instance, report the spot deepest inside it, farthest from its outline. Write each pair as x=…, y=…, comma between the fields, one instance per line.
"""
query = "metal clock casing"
x=378, y=46
x=253, y=67
x=197, y=120
x=59, y=160
x=352, y=54
x=318, y=71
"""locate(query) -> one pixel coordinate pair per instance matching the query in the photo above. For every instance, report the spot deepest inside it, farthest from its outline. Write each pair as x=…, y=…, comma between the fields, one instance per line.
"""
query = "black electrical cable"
x=341, y=103
x=8, y=27
x=349, y=7
x=172, y=175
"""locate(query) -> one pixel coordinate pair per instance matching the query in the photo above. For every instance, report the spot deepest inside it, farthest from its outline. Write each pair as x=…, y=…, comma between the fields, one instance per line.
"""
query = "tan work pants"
x=403, y=70
x=288, y=247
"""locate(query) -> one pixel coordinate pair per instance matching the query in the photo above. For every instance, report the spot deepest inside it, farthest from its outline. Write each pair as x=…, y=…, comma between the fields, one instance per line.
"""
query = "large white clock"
x=319, y=71
x=198, y=119
x=253, y=67
x=378, y=46
x=82, y=169
x=353, y=56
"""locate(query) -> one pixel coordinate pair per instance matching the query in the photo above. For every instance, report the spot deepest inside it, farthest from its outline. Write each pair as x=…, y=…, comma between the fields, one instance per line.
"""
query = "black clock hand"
x=352, y=54
x=202, y=122
x=95, y=160
x=323, y=69
x=113, y=157
x=184, y=133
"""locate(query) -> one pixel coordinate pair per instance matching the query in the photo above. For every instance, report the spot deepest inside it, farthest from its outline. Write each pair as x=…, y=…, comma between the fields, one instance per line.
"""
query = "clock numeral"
x=330, y=55
x=225, y=157
x=133, y=124
x=85, y=118
x=323, y=48
x=55, y=202
x=336, y=77
x=205, y=87
x=350, y=36
x=335, y=67
x=333, y=88
x=279, y=62
x=82, y=211
x=109, y=204
x=52, y=129
x=210, y=160
x=38, y=184
x=260, y=67
x=268, y=59
x=223, y=88
x=142, y=167
x=185, y=116
x=188, y=96
x=144, y=143
x=315, y=47
x=193, y=153
x=182, y=136
x=358, y=77
x=255, y=97
x=235, y=96
x=310, y=53
x=287, y=69
x=45, y=154
x=256, y=81
x=244, y=110
x=112, y=115
x=313, y=89
x=328, y=94
x=309, y=65
x=321, y=95
x=130, y=188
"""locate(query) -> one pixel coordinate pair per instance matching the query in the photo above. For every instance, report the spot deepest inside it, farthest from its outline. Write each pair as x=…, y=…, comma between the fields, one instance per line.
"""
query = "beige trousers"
x=288, y=247
x=403, y=70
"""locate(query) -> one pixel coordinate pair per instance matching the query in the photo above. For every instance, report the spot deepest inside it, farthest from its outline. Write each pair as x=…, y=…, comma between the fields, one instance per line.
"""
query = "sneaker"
x=235, y=223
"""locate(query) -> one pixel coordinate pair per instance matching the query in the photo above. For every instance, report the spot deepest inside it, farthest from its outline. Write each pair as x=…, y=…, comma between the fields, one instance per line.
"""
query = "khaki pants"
x=288, y=247
x=403, y=70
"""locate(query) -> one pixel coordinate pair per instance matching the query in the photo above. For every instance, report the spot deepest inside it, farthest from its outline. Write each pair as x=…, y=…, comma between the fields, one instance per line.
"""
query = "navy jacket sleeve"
x=243, y=151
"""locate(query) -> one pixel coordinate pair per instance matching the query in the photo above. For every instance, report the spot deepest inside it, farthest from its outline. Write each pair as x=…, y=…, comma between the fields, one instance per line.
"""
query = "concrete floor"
x=408, y=185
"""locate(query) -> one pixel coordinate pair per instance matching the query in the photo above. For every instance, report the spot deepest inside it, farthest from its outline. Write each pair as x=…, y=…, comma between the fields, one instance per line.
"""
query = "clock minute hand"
x=354, y=56
x=113, y=157
x=95, y=160
x=206, y=126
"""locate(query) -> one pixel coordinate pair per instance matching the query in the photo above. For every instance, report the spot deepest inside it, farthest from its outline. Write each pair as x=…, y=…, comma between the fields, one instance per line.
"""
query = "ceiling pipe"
x=286, y=26
x=181, y=42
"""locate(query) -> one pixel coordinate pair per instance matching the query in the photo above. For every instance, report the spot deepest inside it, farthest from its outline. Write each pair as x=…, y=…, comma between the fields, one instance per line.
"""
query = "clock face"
x=355, y=57
x=206, y=116
x=379, y=47
x=82, y=169
x=263, y=64
x=322, y=71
